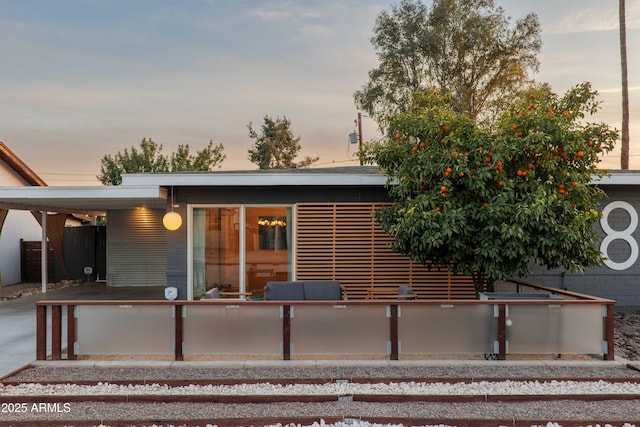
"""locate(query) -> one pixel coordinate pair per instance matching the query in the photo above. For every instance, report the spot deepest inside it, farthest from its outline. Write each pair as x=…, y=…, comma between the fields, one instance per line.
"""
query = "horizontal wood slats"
x=342, y=241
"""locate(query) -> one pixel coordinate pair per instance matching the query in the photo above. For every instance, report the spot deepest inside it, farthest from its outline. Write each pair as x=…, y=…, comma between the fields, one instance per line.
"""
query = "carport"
x=89, y=200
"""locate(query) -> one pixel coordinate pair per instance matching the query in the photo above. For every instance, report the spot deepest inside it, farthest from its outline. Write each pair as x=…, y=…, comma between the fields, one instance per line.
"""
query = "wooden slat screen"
x=342, y=241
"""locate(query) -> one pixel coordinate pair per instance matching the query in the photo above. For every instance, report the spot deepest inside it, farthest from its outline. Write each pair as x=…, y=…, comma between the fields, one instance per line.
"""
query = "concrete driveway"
x=18, y=317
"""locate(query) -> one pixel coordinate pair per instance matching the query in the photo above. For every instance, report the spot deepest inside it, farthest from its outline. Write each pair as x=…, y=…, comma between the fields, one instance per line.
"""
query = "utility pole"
x=360, y=135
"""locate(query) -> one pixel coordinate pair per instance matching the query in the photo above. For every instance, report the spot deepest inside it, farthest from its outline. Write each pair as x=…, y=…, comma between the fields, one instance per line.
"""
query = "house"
x=15, y=225
x=241, y=229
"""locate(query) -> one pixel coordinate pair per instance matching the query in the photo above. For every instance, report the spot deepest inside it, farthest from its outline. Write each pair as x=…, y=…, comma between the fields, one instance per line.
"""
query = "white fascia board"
x=254, y=179
x=81, y=199
x=89, y=192
x=629, y=178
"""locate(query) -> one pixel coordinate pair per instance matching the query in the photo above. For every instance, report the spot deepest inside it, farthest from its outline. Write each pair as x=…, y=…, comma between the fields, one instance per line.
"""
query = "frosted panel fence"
x=233, y=329
x=554, y=328
x=125, y=329
x=339, y=329
x=446, y=329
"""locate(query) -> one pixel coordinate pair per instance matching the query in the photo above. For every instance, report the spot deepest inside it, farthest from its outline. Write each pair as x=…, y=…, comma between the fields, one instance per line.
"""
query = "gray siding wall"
x=136, y=248
x=620, y=285
x=176, y=271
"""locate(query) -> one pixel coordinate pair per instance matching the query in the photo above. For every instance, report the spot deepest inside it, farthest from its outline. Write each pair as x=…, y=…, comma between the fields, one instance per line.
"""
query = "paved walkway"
x=18, y=318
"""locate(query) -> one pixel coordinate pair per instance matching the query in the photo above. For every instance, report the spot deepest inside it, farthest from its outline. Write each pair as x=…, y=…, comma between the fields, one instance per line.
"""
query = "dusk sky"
x=85, y=78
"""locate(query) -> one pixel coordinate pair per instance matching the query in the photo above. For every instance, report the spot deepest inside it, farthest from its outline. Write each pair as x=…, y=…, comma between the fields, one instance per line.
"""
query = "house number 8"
x=611, y=235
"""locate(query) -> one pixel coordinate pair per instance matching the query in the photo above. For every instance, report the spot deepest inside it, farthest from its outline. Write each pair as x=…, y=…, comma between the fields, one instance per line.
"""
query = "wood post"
x=393, y=332
x=41, y=332
x=179, y=333
x=609, y=333
x=71, y=332
x=56, y=332
x=502, y=332
x=286, y=332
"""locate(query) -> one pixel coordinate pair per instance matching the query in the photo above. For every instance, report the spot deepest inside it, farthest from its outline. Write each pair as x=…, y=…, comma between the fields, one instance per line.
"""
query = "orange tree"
x=492, y=202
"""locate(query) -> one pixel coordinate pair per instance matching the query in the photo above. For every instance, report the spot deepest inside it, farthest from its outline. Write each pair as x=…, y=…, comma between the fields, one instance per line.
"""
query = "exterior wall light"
x=172, y=220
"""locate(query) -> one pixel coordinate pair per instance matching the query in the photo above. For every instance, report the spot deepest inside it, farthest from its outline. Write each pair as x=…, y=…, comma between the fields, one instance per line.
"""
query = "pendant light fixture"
x=172, y=220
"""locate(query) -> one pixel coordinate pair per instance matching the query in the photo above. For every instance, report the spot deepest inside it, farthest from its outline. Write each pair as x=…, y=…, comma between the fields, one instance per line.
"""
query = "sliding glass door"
x=239, y=249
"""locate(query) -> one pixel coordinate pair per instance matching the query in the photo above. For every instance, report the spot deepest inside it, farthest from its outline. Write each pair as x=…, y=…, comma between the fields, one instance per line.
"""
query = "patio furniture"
x=314, y=290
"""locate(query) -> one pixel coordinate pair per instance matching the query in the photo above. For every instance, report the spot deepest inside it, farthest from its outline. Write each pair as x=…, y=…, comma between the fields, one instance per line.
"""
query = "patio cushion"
x=284, y=291
x=405, y=290
x=212, y=293
x=325, y=290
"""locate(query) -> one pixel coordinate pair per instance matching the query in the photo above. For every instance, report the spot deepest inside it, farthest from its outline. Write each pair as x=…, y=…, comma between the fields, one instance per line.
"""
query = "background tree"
x=492, y=203
x=624, y=146
x=149, y=158
x=462, y=47
x=204, y=160
x=275, y=147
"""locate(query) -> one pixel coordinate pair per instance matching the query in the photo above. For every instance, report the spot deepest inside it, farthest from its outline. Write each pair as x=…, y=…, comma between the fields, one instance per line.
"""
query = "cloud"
x=618, y=89
x=600, y=17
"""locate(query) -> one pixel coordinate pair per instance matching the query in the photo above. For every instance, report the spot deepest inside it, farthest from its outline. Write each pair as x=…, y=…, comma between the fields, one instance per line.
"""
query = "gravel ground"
x=551, y=371
x=164, y=412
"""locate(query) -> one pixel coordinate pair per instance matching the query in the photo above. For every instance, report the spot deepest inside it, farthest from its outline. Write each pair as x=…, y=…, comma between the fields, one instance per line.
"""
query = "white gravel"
x=479, y=388
x=359, y=423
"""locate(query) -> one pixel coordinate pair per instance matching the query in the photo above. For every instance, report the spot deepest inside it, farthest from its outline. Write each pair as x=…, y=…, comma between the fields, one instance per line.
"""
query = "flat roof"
x=347, y=176
x=88, y=200
x=151, y=190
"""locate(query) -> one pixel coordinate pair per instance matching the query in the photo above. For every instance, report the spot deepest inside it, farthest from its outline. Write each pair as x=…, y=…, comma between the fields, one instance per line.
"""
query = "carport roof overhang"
x=82, y=200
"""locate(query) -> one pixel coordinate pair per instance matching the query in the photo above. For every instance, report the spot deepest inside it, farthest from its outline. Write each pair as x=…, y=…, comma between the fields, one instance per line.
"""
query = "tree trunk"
x=481, y=282
x=624, y=148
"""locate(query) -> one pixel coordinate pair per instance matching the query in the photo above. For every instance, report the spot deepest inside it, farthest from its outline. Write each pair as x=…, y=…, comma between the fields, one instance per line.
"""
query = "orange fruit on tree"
x=519, y=134
x=580, y=153
x=514, y=126
x=443, y=188
x=565, y=113
x=422, y=144
x=461, y=174
x=398, y=135
x=415, y=148
x=445, y=128
x=500, y=184
x=574, y=184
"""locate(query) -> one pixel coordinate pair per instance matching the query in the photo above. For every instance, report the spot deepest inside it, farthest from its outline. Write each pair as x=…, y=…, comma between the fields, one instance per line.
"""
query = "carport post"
x=44, y=252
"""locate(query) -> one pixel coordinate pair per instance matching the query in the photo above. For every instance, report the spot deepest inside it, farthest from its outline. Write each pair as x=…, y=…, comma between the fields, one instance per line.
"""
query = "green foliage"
x=494, y=202
x=204, y=160
x=462, y=47
x=149, y=158
x=275, y=147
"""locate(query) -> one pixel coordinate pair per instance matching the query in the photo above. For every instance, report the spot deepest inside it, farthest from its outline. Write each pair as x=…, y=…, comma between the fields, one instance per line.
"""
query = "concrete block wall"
x=619, y=277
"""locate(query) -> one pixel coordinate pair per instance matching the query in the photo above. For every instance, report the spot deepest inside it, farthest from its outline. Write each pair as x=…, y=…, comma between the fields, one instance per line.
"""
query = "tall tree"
x=149, y=158
x=204, y=160
x=465, y=48
x=624, y=147
x=275, y=147
x=493, y=202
